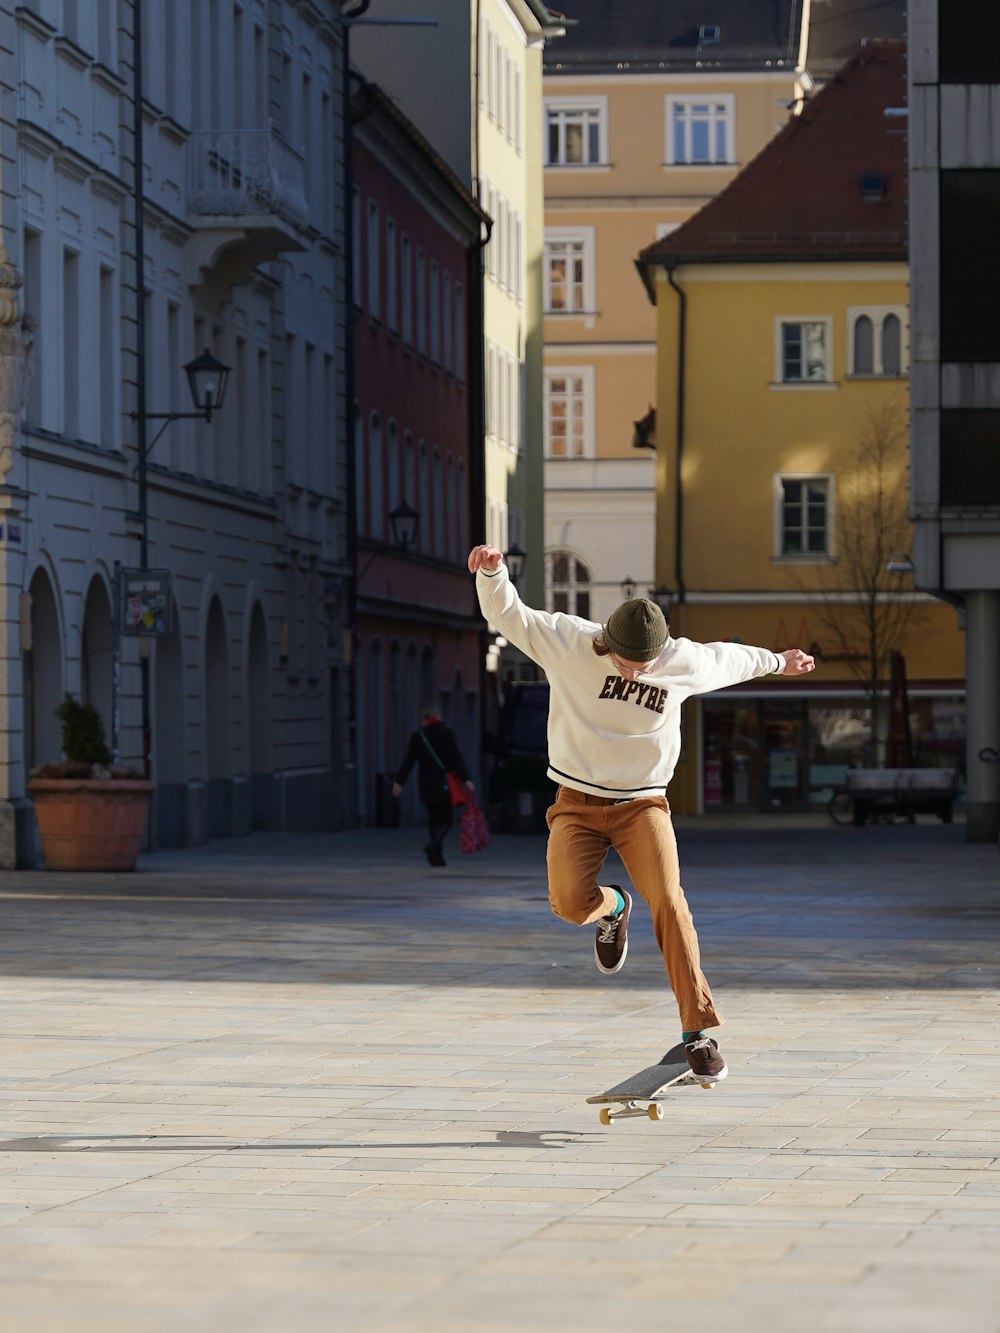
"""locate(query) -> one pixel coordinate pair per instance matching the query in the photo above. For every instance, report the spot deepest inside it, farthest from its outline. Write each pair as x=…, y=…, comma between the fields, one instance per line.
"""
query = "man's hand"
x=486, y=558
x=797, y=663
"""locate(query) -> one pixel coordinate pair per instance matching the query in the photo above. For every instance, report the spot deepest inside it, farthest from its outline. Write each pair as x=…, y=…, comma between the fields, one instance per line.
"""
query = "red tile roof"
x=804, y=195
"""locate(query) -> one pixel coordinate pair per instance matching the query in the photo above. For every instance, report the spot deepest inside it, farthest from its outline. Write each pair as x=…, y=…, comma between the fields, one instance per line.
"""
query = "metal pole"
x=116, y=666
x=140, y=350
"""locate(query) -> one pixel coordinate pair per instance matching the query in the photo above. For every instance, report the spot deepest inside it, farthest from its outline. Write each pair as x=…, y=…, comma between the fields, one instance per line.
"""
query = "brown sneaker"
x=705, y=1059
x=611, y=944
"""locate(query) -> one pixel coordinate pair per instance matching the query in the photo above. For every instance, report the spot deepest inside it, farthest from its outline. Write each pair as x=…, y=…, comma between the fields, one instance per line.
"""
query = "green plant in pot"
x=91, y=813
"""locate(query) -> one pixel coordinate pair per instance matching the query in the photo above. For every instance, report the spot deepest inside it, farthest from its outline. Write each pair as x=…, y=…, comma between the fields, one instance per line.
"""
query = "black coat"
x=432, y=782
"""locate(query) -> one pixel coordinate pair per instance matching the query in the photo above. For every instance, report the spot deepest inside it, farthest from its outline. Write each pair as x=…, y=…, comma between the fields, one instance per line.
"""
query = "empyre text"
x=648, y=696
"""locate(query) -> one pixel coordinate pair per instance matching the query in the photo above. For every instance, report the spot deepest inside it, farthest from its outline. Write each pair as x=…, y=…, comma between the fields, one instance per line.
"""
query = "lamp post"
x=628, y=586
x=514, y=559
x=207, y=378
x=404, y=521
x=663, y=598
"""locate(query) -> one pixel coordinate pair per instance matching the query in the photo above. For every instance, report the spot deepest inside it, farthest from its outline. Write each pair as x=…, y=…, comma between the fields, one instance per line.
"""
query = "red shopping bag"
x=474, y=833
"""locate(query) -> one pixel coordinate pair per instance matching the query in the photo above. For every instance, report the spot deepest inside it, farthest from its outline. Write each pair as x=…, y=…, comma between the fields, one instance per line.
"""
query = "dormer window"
x=708, y=34
x=873, y=185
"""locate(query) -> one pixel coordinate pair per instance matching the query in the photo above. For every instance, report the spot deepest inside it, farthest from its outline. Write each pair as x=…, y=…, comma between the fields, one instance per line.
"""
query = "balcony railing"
x=243, y=172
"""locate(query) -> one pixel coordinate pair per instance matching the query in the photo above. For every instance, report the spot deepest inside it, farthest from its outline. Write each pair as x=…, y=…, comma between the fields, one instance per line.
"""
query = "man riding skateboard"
x=614, y=740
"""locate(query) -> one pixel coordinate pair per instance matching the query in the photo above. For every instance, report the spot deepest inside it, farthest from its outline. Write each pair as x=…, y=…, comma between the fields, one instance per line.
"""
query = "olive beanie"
x=637, y=631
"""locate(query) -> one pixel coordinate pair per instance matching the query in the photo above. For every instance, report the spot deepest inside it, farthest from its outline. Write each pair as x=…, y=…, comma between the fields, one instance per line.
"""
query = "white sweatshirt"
x=609, y=736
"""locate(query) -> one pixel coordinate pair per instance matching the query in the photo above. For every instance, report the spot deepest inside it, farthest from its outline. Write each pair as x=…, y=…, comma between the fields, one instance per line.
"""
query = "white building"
x=242, y=252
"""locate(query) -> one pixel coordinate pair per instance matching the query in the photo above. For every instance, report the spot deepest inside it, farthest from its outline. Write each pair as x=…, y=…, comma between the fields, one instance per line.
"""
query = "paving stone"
x=352, y=1104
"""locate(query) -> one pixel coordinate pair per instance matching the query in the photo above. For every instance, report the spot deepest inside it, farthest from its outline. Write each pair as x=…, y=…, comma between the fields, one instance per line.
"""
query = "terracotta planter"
x=91, y=824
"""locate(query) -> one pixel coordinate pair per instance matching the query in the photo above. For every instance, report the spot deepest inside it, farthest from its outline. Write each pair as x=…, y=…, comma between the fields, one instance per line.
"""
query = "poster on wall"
x=144, y=601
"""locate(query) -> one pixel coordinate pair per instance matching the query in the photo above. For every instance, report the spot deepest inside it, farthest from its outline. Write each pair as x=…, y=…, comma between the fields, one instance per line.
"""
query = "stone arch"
x=43, y=674
x=218, y=748
x=97, y=648
x=260, y=757
x=169, y=745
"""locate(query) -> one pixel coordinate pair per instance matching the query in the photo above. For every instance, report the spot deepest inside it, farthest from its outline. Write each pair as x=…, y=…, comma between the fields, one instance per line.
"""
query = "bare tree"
x=868, y=610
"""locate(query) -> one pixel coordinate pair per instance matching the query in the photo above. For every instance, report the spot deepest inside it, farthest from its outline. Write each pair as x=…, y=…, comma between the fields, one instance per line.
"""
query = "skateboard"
x=672, y=1071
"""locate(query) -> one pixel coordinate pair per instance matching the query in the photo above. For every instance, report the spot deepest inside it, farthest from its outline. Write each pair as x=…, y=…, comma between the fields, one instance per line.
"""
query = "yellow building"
x=647, y=115
x=782, y=349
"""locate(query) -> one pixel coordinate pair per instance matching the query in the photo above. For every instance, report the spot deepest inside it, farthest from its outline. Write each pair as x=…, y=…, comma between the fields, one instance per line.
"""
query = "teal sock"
x=690, y=1036
x=620, y=905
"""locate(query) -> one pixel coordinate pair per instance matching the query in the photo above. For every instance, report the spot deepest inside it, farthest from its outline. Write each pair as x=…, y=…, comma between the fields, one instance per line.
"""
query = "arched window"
x=892, y=345
x=864, y=346
x=394, y=467
x=439, y=539
x=568, y=584
x=376, y=473
x=450, y=527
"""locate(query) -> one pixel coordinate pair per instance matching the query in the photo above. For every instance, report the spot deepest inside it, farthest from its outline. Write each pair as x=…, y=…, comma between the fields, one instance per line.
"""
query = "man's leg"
x=644, y=838
x=577, y=847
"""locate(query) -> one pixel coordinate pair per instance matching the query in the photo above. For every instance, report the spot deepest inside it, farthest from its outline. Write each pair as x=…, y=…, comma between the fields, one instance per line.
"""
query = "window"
x=970, y=262
x=459, y=332
x=391, y=283
x=447, y=344
x=576, y=133
x=569, y=412
x=356, y=248
x=421, y=302
x=374, y=296
x=406, y=287
x=699, y=131
x=803, y=516
x=569, y=271
x=803, y=351
x=876, y=340
x=435, y=312
x=568, y=584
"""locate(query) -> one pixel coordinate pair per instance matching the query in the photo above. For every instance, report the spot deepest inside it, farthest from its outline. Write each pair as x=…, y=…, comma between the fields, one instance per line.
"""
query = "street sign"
x=145, y=602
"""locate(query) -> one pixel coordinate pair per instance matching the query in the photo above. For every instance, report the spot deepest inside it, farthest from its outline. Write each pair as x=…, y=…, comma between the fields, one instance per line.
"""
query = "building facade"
x=173, y=182
x=472, y=84
x=418, y=396
x=783, y=336
x=954, y=124
x=649, y=113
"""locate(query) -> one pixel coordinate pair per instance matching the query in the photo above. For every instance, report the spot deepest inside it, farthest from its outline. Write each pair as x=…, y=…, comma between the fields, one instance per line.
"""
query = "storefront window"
x=839, y=739
x=732, y=756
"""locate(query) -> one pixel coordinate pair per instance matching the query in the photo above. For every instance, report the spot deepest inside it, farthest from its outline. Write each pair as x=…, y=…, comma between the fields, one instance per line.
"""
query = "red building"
x=418, y=460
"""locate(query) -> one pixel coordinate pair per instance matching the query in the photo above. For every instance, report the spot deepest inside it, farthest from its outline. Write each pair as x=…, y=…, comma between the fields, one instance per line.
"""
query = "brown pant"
x=581, y=830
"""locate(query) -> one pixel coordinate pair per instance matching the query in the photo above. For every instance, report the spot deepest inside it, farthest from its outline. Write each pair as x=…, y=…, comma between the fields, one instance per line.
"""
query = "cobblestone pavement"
x=299, y=1082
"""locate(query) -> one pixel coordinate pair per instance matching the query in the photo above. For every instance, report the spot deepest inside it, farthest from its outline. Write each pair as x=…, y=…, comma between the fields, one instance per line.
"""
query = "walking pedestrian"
x=434, y=750
x=614, y=739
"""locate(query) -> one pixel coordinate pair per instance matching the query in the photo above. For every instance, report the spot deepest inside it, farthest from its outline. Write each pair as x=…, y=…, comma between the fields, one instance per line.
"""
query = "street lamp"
x=404, y=521
x=663, y=598
x=207, y=378
x=514, y=559
x=628, y=586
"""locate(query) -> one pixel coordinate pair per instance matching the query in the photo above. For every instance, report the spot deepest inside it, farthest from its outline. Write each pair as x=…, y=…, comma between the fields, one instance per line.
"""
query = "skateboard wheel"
x=654, y=1112
x=605, y=1115
x=708, y=1086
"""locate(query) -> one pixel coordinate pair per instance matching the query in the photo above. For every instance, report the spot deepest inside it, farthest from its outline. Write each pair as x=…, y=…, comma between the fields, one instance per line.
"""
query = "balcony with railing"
x=247, y=199
x=242, y=173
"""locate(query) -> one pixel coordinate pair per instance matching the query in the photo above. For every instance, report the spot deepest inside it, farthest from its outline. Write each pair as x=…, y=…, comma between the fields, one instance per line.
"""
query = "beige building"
x=649, y=113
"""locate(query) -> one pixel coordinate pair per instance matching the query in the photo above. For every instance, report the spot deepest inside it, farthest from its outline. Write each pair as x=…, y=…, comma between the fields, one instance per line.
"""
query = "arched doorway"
x=169, y=765
x=218, y=752
x=43, y=676
x=97, y=652
x=259, y=722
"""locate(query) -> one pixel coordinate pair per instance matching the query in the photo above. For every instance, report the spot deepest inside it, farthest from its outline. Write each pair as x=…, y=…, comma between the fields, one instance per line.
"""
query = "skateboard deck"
x=645, y=1087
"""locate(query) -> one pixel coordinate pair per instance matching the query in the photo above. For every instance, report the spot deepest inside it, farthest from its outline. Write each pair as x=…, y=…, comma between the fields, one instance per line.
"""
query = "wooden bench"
x=902, y=791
